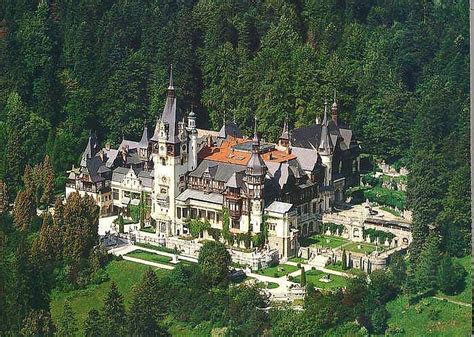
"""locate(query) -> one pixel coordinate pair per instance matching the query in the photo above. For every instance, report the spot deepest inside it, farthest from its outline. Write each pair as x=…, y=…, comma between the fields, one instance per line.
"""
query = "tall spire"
x=255, y=141
x=325, y=119
x=325, y=144
x=171, y=91
x=334, y=109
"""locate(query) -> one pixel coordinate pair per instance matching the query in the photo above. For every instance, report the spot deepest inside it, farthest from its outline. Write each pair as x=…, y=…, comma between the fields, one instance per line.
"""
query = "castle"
x=181, y=172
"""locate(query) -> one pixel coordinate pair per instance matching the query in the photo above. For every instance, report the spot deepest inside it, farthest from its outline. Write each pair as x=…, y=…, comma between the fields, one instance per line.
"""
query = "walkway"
x=453, y=301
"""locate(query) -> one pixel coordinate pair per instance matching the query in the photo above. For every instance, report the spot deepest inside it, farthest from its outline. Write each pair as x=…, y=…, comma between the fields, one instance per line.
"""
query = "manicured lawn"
x=272, y=285
x=326, y=241
x=466, y=295
x=313, y=276
x=125, y=274
x=152, y=257
x=154, y=247
x=149, y=230
x=298, y=260
x=364, y=247
x=429, y=317
x=278, y=271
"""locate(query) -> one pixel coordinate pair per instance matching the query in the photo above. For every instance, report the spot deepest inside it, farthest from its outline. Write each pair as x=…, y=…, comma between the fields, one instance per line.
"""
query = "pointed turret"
x=171, y=91
x=325, y=145
x=334, y=108
x=256, y=165
x=144, y=140
x=91, y=148
x=284, y=139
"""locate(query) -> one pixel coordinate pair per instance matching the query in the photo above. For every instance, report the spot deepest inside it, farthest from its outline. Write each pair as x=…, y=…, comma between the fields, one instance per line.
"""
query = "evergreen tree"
x=303, y=277
x=145, y=311
x=48, y=182
x=38, y=323
x=67, y=323
x=115, y=319
x=24, y=210
x=426, y=270
x=344, y=260
x=4, y=203
x=17, y=117
x=451, y=276
x=93, y=326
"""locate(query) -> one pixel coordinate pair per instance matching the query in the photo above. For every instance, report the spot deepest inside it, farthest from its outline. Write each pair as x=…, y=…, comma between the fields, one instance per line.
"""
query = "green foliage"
x=93, y=325
x=451, y=276
x=226, y=235
x=215, y=233
x=145, y=310
x=303, y=277
x=67, y=324
x=426, y=270
x=197, y=227
x=344, y=263
x=379, y=235
x=214, y=260
x=114, y=313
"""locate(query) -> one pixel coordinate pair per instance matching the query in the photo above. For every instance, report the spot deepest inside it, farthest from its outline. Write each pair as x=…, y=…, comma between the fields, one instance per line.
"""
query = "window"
x=185, y=212
x=315, y=207
x=218, y=217
x=178, y=212
x=115, y=193
x=163, y=190
x=193, y=213
x=202, y=213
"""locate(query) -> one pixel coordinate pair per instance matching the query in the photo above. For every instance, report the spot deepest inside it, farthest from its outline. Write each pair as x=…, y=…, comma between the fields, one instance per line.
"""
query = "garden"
x=152, y=257
x=314, y=276
x=324, y=241
x=278, y=270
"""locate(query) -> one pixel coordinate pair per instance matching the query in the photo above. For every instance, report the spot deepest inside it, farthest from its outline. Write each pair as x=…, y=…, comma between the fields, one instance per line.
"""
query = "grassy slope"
x=417, y=320
x=318, y=240
x=124, y=273
x=466, y=295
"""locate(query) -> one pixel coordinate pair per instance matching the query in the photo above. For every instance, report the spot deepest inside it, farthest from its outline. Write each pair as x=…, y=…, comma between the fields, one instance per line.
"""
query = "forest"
x=400, y=72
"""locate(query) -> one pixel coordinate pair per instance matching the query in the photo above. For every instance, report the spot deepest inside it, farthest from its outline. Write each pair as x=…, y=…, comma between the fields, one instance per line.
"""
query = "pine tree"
x=48, y=182
x=38, y=323
x=451, y=276
x=115, y=318
x=67, y=323
x=4, y=203
x=17, y=116
x=344, y=260
x=145, y=310
x=24, y=210
x=426, y=270
x=93, y=326
x=303, y=277
x=58, y=217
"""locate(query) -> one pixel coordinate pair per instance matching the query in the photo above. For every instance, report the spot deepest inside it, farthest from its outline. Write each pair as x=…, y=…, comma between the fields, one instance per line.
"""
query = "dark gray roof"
x=306, y=157
x=144, y=140
x=223, y=171
x=229, y=130
x=91, y=150
x=215, y=198
x=256, y=164
x=92, y=168
x=169, y=118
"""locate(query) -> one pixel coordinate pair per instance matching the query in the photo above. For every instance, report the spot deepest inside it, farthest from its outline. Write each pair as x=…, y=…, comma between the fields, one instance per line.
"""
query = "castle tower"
x=325, y=151
x=193, y=146
x=170, y=163
x=143, y=145
x=255, y=172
